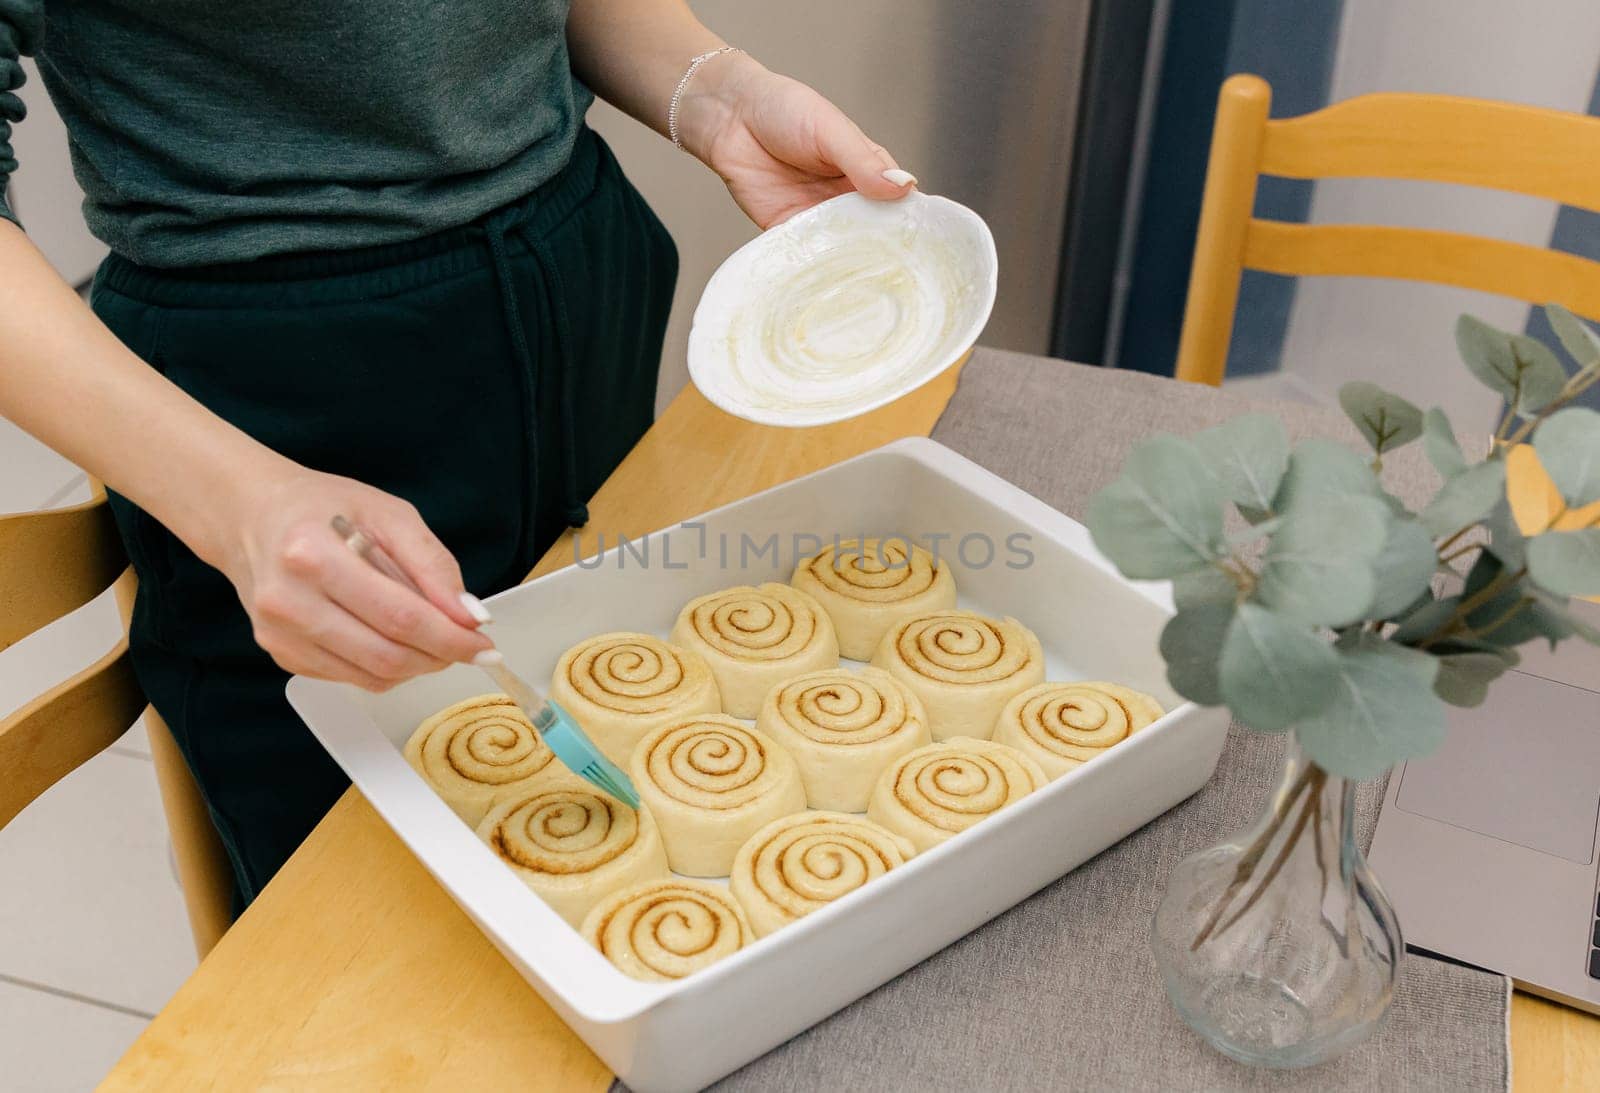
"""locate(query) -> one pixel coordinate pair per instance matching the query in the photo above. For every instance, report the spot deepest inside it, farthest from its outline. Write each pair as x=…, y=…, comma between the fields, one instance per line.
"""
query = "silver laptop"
x=1490, y=847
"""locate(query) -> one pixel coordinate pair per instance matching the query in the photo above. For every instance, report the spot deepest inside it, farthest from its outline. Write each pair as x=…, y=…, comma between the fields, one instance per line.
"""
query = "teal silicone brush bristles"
x=561, y=733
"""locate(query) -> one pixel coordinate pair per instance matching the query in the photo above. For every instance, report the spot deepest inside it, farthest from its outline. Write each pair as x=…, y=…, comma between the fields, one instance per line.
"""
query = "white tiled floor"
x=93, y=938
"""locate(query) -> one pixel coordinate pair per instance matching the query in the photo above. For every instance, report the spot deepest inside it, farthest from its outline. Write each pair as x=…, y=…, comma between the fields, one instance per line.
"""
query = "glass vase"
x=1277, y=945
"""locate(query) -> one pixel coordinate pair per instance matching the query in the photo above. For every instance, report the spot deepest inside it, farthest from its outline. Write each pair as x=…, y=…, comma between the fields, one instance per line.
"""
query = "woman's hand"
x=321, y=610
x=780, y=147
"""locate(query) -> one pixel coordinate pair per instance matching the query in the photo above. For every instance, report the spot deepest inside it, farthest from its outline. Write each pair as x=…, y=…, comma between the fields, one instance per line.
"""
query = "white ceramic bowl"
x=1010, y=554
x=843, y=308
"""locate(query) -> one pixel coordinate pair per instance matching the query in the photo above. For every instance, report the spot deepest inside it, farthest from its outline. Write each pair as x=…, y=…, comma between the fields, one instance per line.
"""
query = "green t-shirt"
x=205, y=132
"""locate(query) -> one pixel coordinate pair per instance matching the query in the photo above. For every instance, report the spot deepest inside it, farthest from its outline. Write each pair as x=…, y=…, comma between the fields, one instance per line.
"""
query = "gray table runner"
x=1061, y=992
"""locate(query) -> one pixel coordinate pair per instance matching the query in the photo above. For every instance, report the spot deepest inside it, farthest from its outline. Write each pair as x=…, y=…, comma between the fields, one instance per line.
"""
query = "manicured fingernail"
x=475, y=607
x=488, y=658
x=899, y=177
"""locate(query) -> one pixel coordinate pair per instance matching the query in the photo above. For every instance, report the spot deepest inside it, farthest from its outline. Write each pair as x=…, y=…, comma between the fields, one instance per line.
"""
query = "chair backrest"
x=1436, y=138
x=52, y=563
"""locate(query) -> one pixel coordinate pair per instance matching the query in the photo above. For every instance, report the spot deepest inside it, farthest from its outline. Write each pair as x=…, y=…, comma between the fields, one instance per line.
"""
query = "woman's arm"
x=260, y=518
x=779, y=145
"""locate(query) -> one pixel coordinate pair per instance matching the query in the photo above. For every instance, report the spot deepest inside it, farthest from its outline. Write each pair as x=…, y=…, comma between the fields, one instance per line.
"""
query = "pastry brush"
x=554, y=725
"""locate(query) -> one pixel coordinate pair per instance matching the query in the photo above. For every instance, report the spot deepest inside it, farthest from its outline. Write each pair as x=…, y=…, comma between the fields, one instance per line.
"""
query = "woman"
x=366, y=259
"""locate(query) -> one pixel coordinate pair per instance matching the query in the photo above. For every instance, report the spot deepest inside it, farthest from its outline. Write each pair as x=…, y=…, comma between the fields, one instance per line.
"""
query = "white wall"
x=1541, y=52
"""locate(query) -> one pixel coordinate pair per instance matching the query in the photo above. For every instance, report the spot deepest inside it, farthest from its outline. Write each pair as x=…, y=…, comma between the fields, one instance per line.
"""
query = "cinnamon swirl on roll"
x=795, y=865
x=843, y=728
x=868, y=585
x=574, y=845
x=963, y=666
x=754, y=639
x=477, y=751
x=943, y=789
x=1063, y=725
x=664, y=930
x=620, y=686
x=712, y=783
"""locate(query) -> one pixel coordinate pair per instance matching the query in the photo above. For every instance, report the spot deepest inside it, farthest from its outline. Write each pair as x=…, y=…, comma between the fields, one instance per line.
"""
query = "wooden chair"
x=50, y=564
x=1436, y=138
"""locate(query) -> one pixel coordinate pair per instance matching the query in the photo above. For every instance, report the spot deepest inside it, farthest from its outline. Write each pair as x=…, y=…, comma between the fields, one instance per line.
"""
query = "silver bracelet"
x=683, y=85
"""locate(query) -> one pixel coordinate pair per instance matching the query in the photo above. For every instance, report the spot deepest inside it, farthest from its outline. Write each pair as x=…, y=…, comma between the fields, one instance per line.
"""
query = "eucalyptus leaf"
x=1522, y=370
x=1577, y=337
x=1506, y=541
x=1403, y=569
x=1384, y=711
x=1254, y=533
x=1568, y=443
x=1249, y=455
x=1464, y=678
x=1561, y=621
x=1440, y=445
x=1384, y=418
x=1163, y=517
x=1318, y=565
x=1203, y=586
x=1425, y=620
x=1517, y=613
x=1543, y=377
x=1503, y=618
x=1566, y=562
x=1274, y=671
x=1319, y=469
x=1191, y=644
x=1466, y=498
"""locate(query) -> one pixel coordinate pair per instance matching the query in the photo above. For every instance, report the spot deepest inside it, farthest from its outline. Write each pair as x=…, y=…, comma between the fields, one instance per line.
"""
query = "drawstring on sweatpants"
x=576, y=512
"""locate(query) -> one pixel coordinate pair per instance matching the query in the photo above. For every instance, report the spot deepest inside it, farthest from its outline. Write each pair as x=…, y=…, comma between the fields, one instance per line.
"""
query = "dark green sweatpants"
x=493, y=375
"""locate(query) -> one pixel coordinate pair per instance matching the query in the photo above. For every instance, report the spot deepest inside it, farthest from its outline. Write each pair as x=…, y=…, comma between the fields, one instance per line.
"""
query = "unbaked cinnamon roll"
x=754, y=639
x=963, y=666
x=667, y=929
x=843, y=728
x=795, y=865
x=868, y=585
x=712, y=783
x=475, y=752
x=1063, y=725
x=943, y=789
x=620, y=686
x=573, y=845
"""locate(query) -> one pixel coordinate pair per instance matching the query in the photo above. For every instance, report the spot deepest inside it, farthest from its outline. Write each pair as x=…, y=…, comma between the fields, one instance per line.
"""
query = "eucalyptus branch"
x=1575, y=386
x=1451, y=540
x=1464, y=549
x=1474, y=632
x=1238, y=571
x=1458, y=618
x=1505, y=424
x=1311, y=807
x=1245, y=869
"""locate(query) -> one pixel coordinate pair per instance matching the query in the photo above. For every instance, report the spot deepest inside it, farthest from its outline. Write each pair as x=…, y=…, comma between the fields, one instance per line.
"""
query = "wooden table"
x=354, y=970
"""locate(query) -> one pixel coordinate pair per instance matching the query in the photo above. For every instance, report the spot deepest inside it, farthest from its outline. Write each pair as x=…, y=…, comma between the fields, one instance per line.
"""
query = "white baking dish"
x=1091, y=622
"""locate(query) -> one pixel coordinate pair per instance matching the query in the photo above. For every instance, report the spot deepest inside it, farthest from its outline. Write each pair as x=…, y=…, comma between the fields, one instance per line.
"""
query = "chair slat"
x=65, y=727
x=1414, y=254
x=1438, y=138
x=54, y=562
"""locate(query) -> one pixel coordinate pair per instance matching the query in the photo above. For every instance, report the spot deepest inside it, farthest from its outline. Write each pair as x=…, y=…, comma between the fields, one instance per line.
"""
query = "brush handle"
x=520, y=690
x=540, y=712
